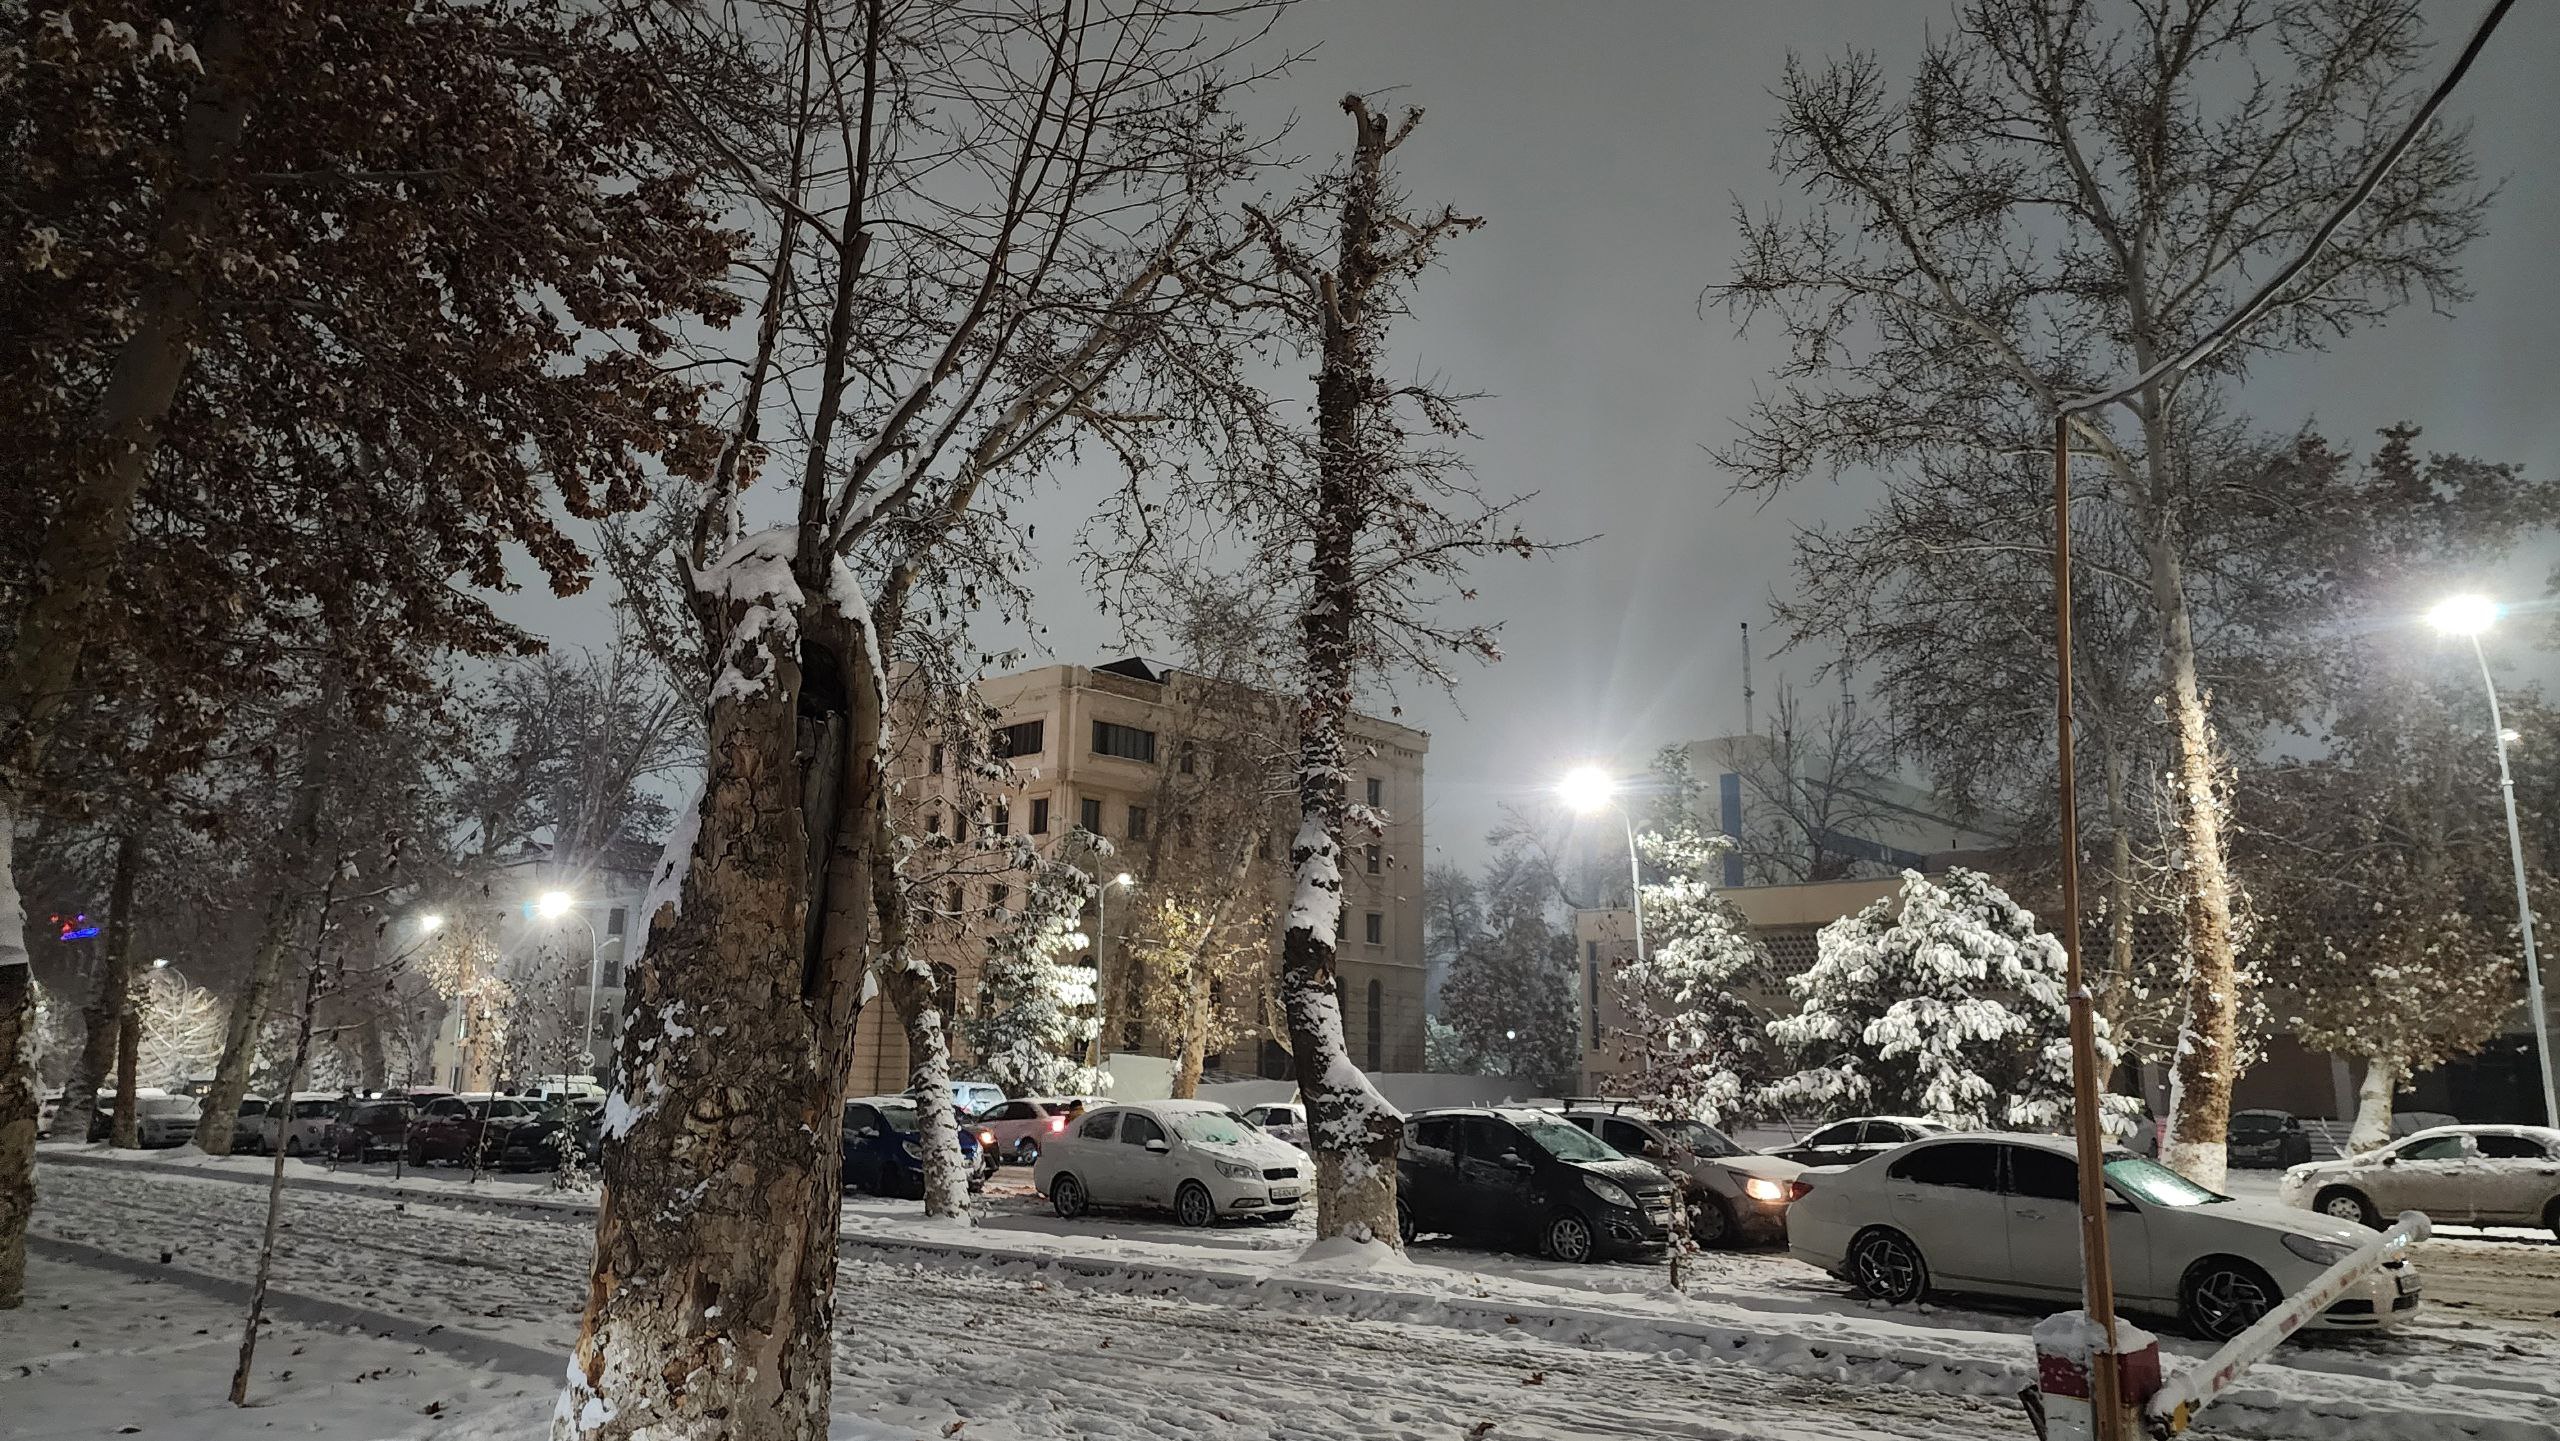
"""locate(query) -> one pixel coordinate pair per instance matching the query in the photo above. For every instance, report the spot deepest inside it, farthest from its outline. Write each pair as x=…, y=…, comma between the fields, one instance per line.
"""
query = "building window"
x=1022, y=738
x=1039, y=815
x=1089, y=814
x=1003, y=819
x=613, y=920
x=1377, y=792
x=959, y=900
x=1377, y=1023
x=1373, y=928
x=1137, y=823
x=933, y=760
x=933, y=823
x=1591, y=985
x=613, y=975
x=1127, y=742
x=1375, y=859
x=1187, y=761
x=998, y=895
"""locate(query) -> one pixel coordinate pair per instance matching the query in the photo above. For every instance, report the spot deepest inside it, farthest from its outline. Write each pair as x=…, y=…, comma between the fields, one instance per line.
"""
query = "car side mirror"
x=1157, y=1148
x=1512, y=1159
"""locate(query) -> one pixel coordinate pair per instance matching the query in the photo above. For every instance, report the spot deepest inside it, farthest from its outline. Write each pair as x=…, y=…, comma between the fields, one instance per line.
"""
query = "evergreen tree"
x=1949, y=1006
x=1509, y=997
x=1035, y=1010
x=1694, y=1046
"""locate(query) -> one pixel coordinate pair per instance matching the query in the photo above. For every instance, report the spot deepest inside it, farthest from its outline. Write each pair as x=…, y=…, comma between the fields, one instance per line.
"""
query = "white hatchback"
x=1198, y=1159
x=1999, y=1215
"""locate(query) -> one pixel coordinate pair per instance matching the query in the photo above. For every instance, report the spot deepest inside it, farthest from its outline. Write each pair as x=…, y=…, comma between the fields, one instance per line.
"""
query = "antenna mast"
x=1746, y=678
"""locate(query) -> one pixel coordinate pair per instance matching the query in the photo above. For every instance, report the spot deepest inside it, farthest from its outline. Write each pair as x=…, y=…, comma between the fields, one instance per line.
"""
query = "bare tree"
x=2057, y=201
x=1813, y=786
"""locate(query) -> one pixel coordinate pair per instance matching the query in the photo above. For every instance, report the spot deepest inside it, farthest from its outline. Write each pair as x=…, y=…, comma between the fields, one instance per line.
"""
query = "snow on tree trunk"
x=2209, y=1049
x=2372, y=1129
x=711, y=1301
x=913, y=995
x=17, y=1069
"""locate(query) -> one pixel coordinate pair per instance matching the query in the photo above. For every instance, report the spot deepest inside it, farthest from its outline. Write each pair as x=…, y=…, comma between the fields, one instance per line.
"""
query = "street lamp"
x=2467, y=616
x=552, y=906
x=1587, y=790
x=1101, y=938
x=430, y=923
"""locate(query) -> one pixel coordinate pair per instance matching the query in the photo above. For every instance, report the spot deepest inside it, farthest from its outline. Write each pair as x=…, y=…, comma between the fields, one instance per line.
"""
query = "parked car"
x=159, y=1119
x=1017, y=1129
x=102, y=1116
x=46, y=1105
x=974, y=1098
x=299, y=1128
x=564, y=1125
x=249, y=1127
x=1516, y=1176
x=884, y=1148
x=451, y=1128
x=1998, y=1215
x=369, y=1130
x=1846, y=1143
x=1736, y=1197
x=1285, y=1120
x=2268, y=1138
x=1198, y=1159
x=2462, y=1175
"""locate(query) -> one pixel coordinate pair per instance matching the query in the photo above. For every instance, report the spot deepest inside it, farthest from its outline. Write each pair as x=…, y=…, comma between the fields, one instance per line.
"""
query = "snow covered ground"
x=1129, y=1327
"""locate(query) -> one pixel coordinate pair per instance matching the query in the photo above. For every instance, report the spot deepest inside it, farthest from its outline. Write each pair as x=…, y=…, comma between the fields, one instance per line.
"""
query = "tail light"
x=1057, y=1124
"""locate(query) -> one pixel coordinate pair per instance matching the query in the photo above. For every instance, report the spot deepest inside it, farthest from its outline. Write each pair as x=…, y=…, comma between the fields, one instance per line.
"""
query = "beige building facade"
x=1088, y=749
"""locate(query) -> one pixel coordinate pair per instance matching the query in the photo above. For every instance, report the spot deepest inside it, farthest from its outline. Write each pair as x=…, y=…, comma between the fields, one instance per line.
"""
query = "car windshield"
x=503, y=1108
x=1211, y=1128
x=1566, y=1141
x=901, y=1115
x=2147, y=1180
x=165, y=1106
x=380, y=1115
x=1701, y=1139
x=2255, y=1125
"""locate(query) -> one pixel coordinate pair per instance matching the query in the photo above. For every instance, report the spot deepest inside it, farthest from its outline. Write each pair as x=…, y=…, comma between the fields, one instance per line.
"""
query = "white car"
x=1999, y=1215
x=298, y=1129
x=974, y=1098
x=2458, y=1175
x=1196, y=1158
x=1021, y=1127
x=1284, y=1119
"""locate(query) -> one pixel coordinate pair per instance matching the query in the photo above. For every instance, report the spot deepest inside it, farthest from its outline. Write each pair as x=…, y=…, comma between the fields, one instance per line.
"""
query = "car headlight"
x=2316, y=1251
x=1609, y=1191
x=1235, y=1172
x=986, y=1138
x=912, y=1148
x=1761, y=1188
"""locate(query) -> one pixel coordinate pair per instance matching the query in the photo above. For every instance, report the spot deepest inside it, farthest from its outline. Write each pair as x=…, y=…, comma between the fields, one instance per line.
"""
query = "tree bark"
x=17, y=1068
x=711, y=1301
x=2372, y=1129
x=103, y=1019
x=128, y=1128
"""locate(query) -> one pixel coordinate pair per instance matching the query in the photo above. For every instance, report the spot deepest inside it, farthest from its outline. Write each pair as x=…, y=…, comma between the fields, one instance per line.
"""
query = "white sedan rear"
x=1999, y=1216
x=1197, y=1159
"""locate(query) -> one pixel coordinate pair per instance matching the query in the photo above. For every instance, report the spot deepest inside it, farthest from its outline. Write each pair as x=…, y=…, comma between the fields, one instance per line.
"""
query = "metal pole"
x=2524, y=900
x=2097, y=1278
x=1101, y=938
x=1635, y=879
x=595, y=967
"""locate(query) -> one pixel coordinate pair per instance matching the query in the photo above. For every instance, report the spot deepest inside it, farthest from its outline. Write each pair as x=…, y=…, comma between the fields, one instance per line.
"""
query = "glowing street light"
x=1589, y=790
x=430, y=923
x=2467, y=616
x=2464, y=614
x=552, y=905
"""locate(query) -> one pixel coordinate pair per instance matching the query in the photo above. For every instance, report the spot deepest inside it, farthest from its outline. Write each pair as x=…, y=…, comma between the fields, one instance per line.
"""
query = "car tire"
x=1405, y=1229
x=1885, y=1265
x=2223, y=1296
x=2551, y=1218
x=1194, y=1207
x=293, y=1146
x=1569, y=1238
x=1026, y=1152
x=1066, y=1196
x=2346, y=1203
x=1279, y=1218
x=1711, y=1224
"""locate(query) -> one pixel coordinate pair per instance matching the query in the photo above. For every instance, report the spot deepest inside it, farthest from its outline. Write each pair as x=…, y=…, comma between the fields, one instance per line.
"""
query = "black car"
x=1846, y=1143
x=536, y=1144
x=2268, y=1138
x=1520, y=1176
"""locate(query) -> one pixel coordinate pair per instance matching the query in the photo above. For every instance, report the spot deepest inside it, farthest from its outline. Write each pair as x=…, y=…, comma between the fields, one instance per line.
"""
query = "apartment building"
x=1089, y=749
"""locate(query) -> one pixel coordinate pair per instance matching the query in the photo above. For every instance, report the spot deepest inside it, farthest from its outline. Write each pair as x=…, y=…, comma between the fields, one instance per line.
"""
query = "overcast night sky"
x=1604, y=145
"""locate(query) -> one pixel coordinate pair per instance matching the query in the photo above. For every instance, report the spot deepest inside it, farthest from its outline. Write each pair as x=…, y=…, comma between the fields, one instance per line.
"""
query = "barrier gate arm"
x=2173, y=1407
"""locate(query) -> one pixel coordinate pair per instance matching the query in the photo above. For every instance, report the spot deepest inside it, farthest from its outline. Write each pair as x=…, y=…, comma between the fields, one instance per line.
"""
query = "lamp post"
x=1101, y=939
x=551, y=906
x=2467, y=616
x=1587, y=790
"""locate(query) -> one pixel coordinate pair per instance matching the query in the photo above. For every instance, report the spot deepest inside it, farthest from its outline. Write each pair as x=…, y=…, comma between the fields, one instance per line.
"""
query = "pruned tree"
x=2061, y=197
x=1944, y=1002
x=1812, y=785
x=975, y=232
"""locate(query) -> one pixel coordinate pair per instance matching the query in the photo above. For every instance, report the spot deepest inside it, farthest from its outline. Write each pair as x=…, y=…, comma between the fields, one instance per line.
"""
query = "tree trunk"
x=917, y=1000
x=711, y=1301
x=2115, y=988
x=372, y=1065
x=285, y=905
x=128, y=1129
x=17, y=1068
x=2208, y=1045
x=2372, y=1129
x=103, y=1019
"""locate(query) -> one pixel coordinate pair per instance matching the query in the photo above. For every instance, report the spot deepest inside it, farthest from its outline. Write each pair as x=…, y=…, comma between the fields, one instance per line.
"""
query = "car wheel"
x=1066, y=1197
x=1279, y=1218
x=2551, y=1218
x=1885, y=1265
x=2348, y=1204
x=1026, y=1152
x=2223, y=1296
x=293, y=1145
x=1711, y=1222
x=1405, y=1229
x=417, y=1154
x=1193, y=1206
x=1569, y=1238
